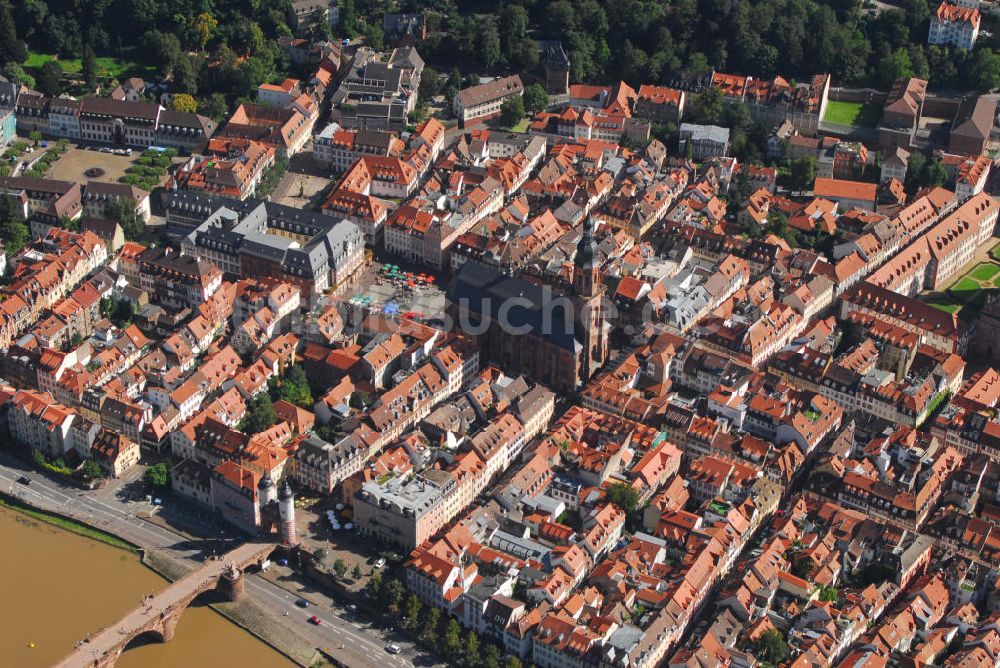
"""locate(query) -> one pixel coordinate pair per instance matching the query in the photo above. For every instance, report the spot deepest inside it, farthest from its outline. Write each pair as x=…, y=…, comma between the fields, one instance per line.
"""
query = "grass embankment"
x=69, y=525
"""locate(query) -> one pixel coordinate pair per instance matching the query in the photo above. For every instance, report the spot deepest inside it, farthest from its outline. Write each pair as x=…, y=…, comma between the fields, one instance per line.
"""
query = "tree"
x=412, y=611
x=429, y=625
x=16, y=74
x=454, y=84
x=48, y=79
x=804, y=172
x=512, y=111
x=349, y=17
x=560, y=18
x=162, y=49
x=895, y=65
x=392, y=593
x=984, y=70
x=184, y=102
x=204, y=26
x=489, y=44
x=157, y=477
x=430, y=84
x=451, y=641
x=512, y=662
x=707, y=107
x=356, y=572
x=922, y=171
x=772, y=646
x=214, y=106
x=360, y=400
x=260, y=415
x=319, y=25
x=185, y=75
x=373, y=36
x=89, y=67
x=320, y=555
x=624, y=496
x=294, y=387
x=535, y=98
x=12, y=50
x=801, y=565
x=829, y=594
x=340, y=568
x=491, y=656
x=127, y=215
x=91, y=470
x=13, y=229
x=375, y=585
x=471, y=651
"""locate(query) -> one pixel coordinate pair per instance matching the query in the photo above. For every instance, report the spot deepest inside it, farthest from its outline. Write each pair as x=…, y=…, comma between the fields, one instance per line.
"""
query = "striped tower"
x=286, y=510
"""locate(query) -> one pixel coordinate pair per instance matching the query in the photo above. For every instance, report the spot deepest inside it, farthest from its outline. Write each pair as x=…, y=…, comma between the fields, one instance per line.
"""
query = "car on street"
x=24, y=480
x=302, y=603
x=314, y=620
x=393, y=649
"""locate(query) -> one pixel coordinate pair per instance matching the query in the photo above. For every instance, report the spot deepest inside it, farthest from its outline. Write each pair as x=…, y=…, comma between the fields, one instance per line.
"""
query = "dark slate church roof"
x=546, y=313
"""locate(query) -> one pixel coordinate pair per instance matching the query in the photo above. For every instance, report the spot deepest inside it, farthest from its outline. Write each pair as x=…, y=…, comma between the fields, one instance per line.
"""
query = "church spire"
x=586, y=264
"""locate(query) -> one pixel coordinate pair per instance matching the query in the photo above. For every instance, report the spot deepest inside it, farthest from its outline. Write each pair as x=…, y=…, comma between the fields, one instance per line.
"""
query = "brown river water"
x=57, y=586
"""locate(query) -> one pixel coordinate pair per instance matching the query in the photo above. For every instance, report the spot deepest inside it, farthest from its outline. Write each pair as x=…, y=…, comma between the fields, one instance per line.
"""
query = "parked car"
x=380, y=563
x=393, y=649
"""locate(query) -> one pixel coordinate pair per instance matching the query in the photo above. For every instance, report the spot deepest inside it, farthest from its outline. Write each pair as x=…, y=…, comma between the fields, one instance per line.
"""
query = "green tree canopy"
x=13, y=228
x=803, y=173
x=294, y=387
x=92, y=470
x=512, y=111
x=49, y=79
x=535, y=98
x=260, y=415
x=707, y=107
x=157, y=477
x=89, y=67
x=624, y=496
x=773, y=647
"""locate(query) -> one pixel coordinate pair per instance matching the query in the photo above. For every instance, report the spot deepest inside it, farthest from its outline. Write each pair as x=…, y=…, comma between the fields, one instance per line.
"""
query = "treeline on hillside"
x=652, y=40
x=220, y=50
x=217, y=51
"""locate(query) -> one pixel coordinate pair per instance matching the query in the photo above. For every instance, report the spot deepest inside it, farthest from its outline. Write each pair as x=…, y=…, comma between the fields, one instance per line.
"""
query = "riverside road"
x=346, y=636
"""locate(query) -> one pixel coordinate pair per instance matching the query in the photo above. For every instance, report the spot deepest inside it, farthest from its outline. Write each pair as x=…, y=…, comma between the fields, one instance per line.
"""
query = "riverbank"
x=67, y=523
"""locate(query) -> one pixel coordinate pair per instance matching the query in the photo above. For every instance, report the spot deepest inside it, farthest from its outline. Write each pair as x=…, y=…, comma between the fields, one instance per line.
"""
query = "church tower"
x=588, y=291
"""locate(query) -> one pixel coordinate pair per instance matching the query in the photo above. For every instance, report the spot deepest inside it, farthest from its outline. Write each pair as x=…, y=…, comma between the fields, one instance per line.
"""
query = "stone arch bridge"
x=159, y=613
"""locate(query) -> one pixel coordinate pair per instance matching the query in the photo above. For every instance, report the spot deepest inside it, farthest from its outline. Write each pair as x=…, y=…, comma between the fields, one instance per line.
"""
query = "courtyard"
x=972, y=287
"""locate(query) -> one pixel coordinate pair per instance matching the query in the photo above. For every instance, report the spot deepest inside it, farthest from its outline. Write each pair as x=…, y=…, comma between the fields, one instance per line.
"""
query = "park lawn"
x=947, y=307
x=521, y=126
x=995, y=252
x=851, y=113
x=842, y=113
x=115, y=68
x=984, y=271
x=965, y=289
